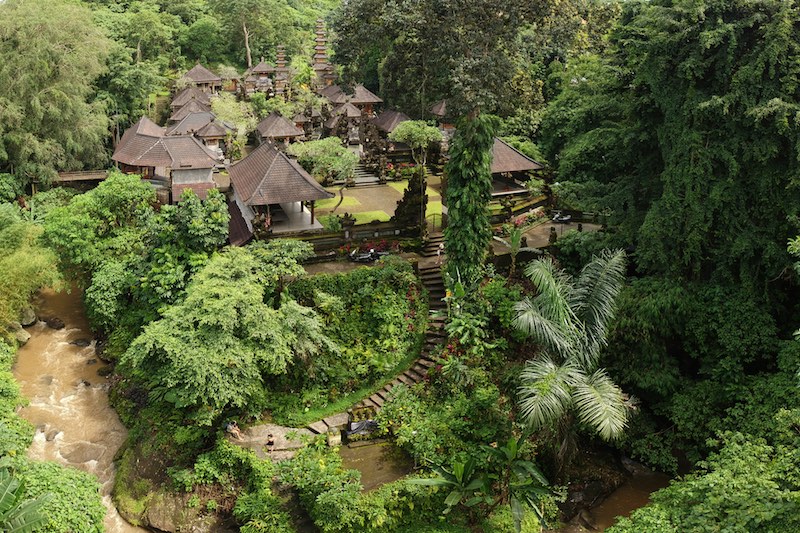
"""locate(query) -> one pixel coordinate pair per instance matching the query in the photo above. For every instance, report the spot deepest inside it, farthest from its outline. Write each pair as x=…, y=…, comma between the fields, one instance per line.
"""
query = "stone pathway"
x=432, y=281
x=285, y=440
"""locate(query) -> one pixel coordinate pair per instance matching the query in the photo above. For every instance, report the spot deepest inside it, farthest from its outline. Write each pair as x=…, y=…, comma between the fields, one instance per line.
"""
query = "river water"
x=69, y=405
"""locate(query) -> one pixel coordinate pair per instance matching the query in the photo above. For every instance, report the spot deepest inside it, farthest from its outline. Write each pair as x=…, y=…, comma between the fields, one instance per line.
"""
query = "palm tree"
x=569, y=318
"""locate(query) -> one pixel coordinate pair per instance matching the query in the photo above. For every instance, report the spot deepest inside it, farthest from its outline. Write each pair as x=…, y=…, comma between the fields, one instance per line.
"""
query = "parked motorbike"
x=561, y=218
x=366, y=257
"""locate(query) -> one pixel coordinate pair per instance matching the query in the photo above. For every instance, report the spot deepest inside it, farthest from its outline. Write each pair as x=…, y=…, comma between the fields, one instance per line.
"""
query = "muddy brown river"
x=75, y=425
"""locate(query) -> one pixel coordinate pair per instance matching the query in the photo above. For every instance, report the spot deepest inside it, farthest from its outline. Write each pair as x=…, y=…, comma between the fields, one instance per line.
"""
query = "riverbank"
x=57, y=370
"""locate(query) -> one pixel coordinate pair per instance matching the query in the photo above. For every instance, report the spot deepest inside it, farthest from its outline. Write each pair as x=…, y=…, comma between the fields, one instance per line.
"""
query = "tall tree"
x=702, y=131
x=50, y=54
x=455, y=49
x=469, y=189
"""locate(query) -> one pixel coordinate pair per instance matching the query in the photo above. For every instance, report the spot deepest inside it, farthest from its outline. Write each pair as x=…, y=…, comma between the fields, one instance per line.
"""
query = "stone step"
x=413, y=376
x=370, y=403
x=319, y=427
x=426, y=362
x=377, y=400
x=420, y=369
x=405, y=380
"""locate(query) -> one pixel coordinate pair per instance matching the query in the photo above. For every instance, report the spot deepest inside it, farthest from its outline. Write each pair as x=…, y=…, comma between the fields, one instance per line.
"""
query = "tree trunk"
x=247, y=44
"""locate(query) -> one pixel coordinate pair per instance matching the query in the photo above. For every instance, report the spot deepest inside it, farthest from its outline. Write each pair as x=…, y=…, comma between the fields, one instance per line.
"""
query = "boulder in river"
x=27, y=317
x=22, y=336
x=83, y=343
x=19, y=334
x=54, y=323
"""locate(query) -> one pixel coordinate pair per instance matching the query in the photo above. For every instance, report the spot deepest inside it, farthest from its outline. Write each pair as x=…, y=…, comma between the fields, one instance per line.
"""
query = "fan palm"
x=569, y=319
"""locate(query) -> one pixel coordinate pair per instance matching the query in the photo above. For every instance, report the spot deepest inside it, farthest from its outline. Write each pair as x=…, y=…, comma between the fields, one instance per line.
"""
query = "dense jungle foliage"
x=669, y=337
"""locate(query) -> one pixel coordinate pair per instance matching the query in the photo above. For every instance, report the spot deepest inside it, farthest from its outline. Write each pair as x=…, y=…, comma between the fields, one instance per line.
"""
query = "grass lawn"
x=330, y=203
x=434, y=208
x=368, y=216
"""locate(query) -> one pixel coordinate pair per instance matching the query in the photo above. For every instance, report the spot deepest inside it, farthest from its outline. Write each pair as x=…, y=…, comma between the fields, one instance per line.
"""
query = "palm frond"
x=596, y=290
x=553, y=336
x=555, y=290
x=544, y=393
x=601, y=404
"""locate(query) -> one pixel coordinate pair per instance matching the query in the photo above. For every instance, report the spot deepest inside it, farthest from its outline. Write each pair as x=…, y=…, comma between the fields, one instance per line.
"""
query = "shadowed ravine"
x=75, y=425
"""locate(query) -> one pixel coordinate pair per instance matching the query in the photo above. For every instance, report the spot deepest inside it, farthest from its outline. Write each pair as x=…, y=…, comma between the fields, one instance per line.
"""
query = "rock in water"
x=27, y=317
x=55, y=323
x=83, y=343
x=20, y=334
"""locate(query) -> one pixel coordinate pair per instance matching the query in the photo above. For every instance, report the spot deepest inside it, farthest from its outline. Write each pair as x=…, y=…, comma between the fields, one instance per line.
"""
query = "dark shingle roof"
x=200, y=189
x=194, y=106
x=362, y=96
x=200, y=74
x=277, y=127
x=300, y=118
x=145, y=145
x=505, y=158
x=215, y=128
x=189, y=94
x=262, y=68
x=191, y=123
x=348, y=110
x=268, y=176
x=389, y=119
x=238, y=232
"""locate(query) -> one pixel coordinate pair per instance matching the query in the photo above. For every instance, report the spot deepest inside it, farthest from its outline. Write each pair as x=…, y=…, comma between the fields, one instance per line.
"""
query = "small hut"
x=365, y=100
x=204, y=79
x=276, y=129
x=271, y=192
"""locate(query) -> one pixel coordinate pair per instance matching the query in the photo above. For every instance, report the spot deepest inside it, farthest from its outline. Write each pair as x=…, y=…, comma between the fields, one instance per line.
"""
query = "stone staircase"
x=363, y=176
x=435, y=335
x=434, y=240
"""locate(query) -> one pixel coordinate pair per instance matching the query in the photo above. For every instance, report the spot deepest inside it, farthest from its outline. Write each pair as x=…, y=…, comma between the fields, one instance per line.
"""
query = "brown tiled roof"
x=277, y=127
x=191, y=123
x=338, y=98
x=505, y=158
x=188, y=152
x=189, y=94
x=348, y=110
x=238, y=232
x=262, y=68
x=389, y=119
x=330, y=90
x=194, y=106
x=268, y=176
x=200, y=189
x=439, y=108
x=200, y=74
x=362, y=95
x=300, y=118
x=215, y=128
x=145, y=145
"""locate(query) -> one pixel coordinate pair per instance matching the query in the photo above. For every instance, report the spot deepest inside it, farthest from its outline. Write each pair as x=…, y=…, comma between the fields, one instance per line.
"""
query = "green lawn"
x=368, y=216
x=330, y=203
